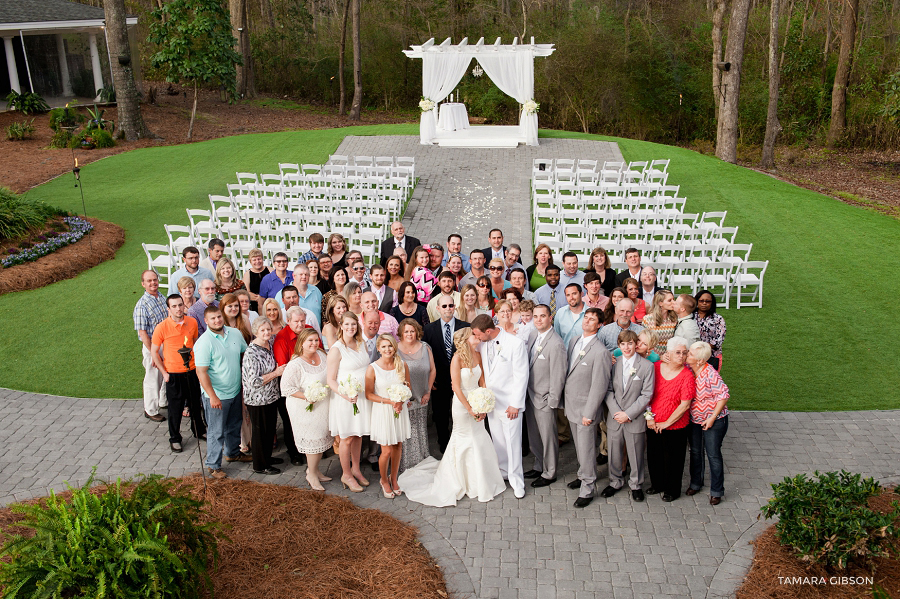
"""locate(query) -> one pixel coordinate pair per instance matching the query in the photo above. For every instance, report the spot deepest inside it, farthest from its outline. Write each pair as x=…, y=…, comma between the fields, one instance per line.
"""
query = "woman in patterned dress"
x=711, y=325
x=417, y=355
x=418, y=274
x=661, y=318
x=259, y=376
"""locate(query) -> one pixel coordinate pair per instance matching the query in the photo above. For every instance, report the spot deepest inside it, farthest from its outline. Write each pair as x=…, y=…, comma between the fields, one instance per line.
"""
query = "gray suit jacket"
x=587, y=380
x=547, y=371
x=632, y=399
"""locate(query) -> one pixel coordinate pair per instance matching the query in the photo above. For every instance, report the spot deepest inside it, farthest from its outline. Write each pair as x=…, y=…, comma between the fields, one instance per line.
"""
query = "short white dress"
x=341, y=419
x=387, y=430
x=311, y=428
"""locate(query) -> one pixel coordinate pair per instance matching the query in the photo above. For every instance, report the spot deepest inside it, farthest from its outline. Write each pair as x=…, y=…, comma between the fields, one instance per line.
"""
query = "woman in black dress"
x=253, y=276
x=599, y=263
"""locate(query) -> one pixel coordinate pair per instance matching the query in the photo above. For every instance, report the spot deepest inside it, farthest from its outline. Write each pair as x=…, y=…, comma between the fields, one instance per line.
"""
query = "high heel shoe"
x=314, y=484
x=361, y=480
x=386, y=494
x=323, y=478
x=351, y=484
x=397, y=491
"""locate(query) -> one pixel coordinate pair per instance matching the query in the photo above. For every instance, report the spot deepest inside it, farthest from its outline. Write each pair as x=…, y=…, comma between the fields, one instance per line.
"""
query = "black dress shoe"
x=691, y=492
x=652, y=491
x=269, y=470
x=575, y=484
x=667, y=498
x=609, y=491
x=583, y=501
x=602, y=459
x=715, y=500
x=276, y=460
x=542, y=482
x=637, y=495
x=296, y=460
x=532, y=474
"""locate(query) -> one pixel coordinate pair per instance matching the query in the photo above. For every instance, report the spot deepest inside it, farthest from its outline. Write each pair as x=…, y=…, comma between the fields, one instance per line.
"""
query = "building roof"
x=44, y=11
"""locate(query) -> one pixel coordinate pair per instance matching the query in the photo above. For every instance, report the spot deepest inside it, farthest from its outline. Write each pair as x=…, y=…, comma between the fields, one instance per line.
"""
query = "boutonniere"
x=499, y=347
x=539, y=348
x=632, y=371
x=648, y=415
x=581, y=354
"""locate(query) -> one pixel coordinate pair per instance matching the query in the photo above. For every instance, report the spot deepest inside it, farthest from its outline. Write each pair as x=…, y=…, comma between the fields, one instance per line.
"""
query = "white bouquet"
x=399, y=394
x=350, y=386
x=481, y=400
x=315, y=392
x=426, y=105
x=531, y=107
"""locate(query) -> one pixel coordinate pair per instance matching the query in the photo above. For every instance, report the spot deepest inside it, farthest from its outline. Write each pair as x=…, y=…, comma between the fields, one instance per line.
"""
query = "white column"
x=95, y=63
x=63, y=65
x=11, y=65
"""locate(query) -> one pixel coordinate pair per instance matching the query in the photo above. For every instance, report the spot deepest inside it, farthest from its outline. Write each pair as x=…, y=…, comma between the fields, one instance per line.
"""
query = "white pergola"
x=509, y=66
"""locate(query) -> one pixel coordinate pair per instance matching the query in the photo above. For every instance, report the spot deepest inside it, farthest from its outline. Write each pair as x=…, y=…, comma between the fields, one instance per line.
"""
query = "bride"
x=469, y=466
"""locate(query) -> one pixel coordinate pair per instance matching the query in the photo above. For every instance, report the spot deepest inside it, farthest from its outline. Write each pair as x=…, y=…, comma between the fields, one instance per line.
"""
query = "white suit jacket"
x=507, y=376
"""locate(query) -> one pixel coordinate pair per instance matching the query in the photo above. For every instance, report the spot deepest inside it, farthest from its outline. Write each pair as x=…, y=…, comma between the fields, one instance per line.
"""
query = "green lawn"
x=813, y=347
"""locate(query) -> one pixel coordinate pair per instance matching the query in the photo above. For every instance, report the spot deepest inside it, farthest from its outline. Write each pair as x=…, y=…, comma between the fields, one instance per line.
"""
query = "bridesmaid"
x=348, y=357
x=311, y=435
x=422, y=372
x=390, y=420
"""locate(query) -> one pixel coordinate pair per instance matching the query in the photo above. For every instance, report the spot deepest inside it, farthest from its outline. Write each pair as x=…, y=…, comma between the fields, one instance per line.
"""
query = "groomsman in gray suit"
x=587, y=381
x=630, y=392
x=546, y=378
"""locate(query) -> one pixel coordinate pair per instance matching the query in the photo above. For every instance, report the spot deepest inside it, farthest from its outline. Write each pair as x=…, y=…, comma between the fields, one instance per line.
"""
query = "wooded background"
x=635, y=68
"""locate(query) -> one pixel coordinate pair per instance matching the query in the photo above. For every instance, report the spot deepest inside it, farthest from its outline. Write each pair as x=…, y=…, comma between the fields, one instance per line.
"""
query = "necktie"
x=552, y=302
x=448, y=341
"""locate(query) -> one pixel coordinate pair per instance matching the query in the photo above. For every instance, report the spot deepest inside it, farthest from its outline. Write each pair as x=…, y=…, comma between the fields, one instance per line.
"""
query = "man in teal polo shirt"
x=217, y=355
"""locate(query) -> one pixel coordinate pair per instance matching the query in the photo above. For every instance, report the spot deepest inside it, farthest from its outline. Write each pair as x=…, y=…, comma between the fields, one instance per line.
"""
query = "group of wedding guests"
x=330, y=346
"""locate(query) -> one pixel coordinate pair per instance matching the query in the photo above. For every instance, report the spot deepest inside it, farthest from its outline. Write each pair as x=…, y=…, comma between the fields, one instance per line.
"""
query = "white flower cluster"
x=315, y=392
x=531, y=107
x=481, y=400
x=399, y=393
x=350, y=386
x=427, y=105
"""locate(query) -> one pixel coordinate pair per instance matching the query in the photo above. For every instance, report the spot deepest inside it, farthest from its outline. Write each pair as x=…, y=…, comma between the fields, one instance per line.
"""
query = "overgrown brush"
x=18, y=214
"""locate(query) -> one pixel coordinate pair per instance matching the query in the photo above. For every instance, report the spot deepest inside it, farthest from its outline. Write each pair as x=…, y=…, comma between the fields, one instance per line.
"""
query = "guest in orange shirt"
x=176, y=336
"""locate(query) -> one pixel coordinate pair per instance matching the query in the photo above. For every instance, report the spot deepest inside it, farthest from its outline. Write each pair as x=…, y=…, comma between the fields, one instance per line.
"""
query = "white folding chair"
x=684, y=275
x=748, y=282
x=180, y=237
x=338, y=159
x=719, y=275
x=244, y=178
x=159, y=260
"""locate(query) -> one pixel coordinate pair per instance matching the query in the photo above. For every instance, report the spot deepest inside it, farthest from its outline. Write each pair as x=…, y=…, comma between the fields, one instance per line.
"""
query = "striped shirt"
x=711, y=389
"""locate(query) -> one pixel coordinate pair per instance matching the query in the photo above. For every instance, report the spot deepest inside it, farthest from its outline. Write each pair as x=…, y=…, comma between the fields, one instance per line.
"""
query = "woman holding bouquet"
x=469, y=466
x=303, y=384
x=388, y=388
x=350, y=413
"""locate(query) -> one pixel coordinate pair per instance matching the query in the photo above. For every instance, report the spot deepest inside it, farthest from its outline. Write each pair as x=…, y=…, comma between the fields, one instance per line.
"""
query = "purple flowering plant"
x=78, y=228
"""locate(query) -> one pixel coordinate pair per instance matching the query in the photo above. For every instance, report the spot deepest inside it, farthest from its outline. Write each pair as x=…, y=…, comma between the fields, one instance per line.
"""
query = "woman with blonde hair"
x=272, y=311
x=469, y=466
x=253, y=276
x=227, y=280
x=309, y=421
x=543, y=257
x=353, y=294
x=467, y=309
x=337, y=249
x=390, y=420
x=661, y=319
x=350, y=413
x=231, y=310
x=186, y=287
x=420, y=361
x=331, y=320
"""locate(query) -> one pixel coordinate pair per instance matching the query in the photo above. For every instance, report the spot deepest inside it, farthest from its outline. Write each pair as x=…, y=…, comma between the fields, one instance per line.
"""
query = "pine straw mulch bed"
x=771, y=560
x=97, y=246
x=282, y=542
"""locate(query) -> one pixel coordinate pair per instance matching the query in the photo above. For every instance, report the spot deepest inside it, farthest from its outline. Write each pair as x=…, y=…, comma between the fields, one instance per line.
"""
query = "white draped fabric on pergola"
x=510, y=67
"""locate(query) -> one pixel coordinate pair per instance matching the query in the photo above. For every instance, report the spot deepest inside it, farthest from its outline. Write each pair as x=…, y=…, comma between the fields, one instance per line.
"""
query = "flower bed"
x=78, y=228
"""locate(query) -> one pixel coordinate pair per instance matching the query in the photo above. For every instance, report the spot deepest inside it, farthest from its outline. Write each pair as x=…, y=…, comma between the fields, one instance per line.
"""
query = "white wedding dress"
x=469, y=467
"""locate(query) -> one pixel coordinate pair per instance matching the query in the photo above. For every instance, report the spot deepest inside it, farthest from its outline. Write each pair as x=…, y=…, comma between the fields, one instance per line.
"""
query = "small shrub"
x=65, y=116
x=827, y=521
x=89, y=139
x=107, y=94
x=27, y=103
x=18, y=214
x=149, y=543
x=19, y=131
x=61, y=139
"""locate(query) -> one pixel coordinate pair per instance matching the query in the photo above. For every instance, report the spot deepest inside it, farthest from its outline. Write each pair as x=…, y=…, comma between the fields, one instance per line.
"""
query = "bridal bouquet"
x=315, y=392
x=399, y=394
x=350, y=386
x=531, y=107
x=426, y=105
x=481, y=400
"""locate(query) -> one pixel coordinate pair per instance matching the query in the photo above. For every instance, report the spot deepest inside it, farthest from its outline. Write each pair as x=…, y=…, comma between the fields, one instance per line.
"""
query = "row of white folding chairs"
x=550, y=193
x=602, y=208
x=305, y=184
x=602, y=178
x=660, y=230
x=664, y=252
x=391, y=206
x=553, y=169
x=333, y=212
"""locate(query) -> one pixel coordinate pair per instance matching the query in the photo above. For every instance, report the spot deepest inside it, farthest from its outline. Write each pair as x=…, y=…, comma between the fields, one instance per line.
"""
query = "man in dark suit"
x=439, y=336
x=649, y=285
x=398, y=238
x=497, y=249
x=633, y=268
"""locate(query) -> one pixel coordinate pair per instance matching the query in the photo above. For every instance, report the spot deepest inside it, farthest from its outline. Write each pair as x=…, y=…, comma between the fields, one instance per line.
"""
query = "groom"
x=505, y=362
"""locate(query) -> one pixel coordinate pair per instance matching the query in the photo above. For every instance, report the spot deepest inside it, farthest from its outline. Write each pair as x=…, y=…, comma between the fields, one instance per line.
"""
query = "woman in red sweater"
x=668, y=420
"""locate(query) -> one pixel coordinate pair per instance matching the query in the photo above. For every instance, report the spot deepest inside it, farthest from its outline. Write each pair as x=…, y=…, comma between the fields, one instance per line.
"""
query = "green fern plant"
x=150, y=543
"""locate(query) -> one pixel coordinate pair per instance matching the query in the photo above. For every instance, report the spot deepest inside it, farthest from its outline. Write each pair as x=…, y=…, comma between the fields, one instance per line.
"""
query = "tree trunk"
x=240, y=25
x=842, y=77
x=726, y=140
x=265, y=12
x=127, y=98
x=717, y=20
x=357, y=66
x=343, y=108
x=193, y=112
x=787, y=31
x=773, y=127
x=826, y=49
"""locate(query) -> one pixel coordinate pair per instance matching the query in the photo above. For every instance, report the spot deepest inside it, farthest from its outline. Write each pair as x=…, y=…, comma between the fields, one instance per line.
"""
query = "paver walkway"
x=536, y=547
